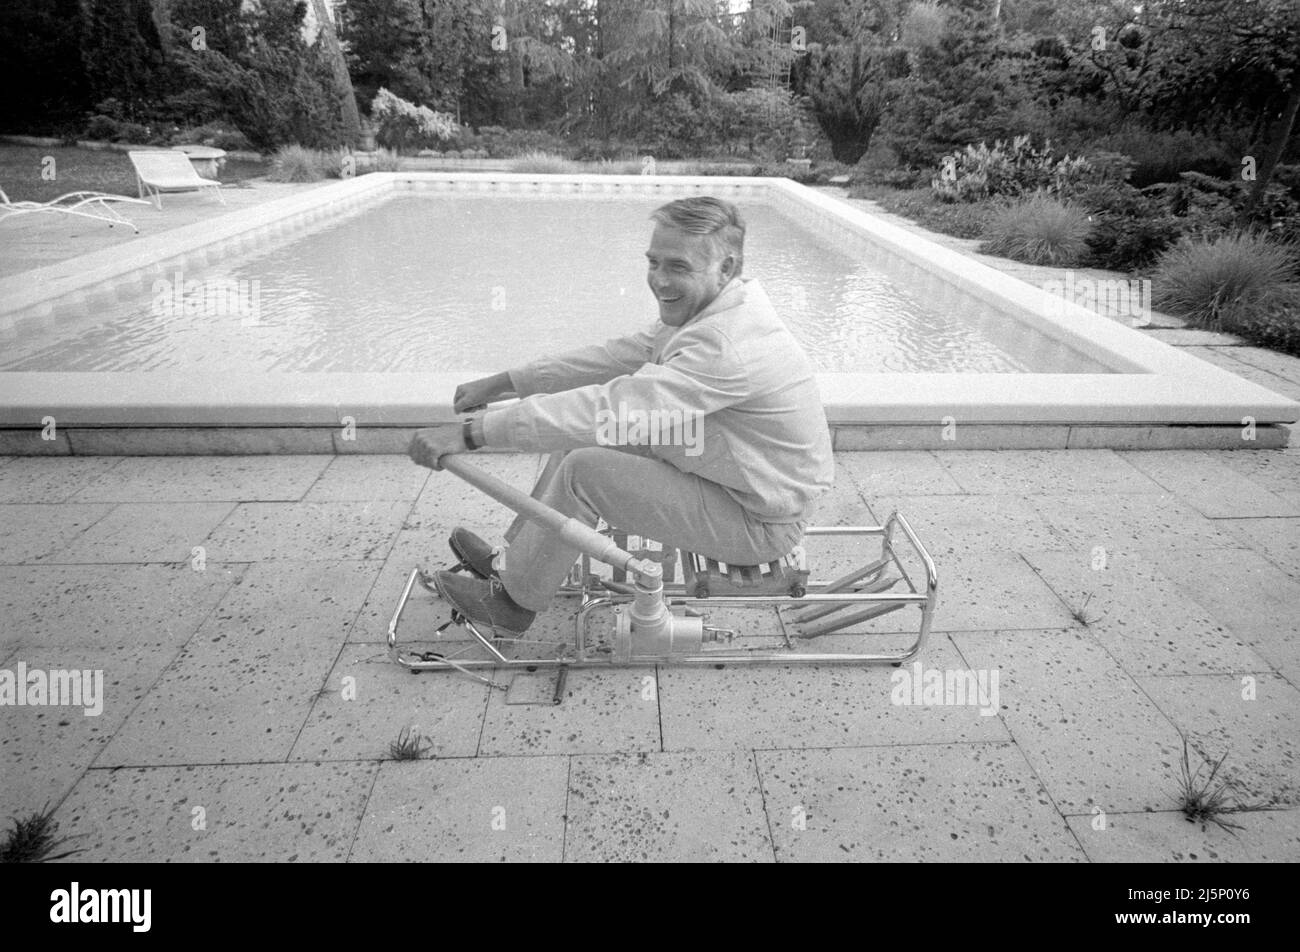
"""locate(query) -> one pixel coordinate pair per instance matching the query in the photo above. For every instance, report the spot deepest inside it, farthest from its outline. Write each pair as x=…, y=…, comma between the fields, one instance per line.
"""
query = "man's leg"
x=638, y=494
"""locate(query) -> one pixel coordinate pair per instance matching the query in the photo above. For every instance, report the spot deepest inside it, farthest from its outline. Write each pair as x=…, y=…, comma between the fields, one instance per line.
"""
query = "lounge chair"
x=158, y=172
x=83, y=204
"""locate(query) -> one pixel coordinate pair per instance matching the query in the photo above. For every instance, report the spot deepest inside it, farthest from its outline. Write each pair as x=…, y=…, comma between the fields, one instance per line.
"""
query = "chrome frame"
x=832, y=594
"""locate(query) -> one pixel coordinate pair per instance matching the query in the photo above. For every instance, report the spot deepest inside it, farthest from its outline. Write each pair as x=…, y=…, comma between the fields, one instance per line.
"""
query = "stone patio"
x=226, y=733
x=1122, y=597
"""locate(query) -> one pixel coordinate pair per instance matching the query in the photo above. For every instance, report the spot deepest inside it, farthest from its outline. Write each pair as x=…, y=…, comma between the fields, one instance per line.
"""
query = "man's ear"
x=728, y=267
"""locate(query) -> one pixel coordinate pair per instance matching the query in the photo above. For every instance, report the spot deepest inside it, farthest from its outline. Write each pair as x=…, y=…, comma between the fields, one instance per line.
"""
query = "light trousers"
x=638, y=494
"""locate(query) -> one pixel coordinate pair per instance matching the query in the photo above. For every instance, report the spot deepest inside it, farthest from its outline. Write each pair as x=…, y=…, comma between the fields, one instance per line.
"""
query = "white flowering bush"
x=401, y=124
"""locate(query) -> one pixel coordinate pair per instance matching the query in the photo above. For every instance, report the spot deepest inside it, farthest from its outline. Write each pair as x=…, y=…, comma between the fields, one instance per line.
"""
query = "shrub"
x=293, y=163
x=1160, y=156
x=1275, y=323
x=101, y=128
x=979, y=171
x=542, y=162
x=1040, y=230
x=1219, y=283
x=231, y=141
x=401, y=124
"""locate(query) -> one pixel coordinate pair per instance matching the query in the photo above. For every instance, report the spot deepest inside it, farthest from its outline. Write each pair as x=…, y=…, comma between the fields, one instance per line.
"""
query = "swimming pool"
x=984, y=354
x=443, y=283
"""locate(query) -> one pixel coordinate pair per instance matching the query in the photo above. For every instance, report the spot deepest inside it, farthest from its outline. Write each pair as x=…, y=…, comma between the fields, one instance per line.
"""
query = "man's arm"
x=702, y=377
x=594, y=364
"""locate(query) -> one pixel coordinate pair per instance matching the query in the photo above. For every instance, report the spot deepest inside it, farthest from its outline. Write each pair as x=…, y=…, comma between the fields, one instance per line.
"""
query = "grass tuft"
x=410, y=745
x=1225, y=283
x=1202, y=801
x=293, y=163
x=34, y=839
x=1081, y=615
x=544, y=163
x=1039, y=230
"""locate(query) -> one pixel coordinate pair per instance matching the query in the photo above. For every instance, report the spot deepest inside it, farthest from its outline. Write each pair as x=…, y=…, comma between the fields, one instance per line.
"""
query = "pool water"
x=424, y=283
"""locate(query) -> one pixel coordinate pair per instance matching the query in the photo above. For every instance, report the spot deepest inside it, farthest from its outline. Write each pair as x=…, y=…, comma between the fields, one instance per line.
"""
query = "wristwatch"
x=467, y=434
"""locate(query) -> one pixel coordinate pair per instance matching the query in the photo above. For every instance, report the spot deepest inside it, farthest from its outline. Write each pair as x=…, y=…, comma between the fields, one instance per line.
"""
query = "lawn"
x=78, y=170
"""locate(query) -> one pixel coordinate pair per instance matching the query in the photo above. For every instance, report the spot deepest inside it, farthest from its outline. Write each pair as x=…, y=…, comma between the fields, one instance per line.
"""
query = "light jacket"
x=735, y=368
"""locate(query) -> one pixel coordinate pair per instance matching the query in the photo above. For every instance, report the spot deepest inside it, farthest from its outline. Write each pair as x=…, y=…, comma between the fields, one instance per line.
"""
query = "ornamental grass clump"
x=293, y=163
x=543, y=163
x=1039, y=230
x=1226, y=282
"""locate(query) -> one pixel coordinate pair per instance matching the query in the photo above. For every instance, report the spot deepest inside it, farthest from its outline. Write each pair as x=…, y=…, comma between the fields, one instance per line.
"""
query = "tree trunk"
x=1278, y=137
x=342, y=81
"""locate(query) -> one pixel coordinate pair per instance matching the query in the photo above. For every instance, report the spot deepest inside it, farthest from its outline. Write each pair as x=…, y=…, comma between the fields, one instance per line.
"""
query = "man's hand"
x=477, y=393
x=427, y=446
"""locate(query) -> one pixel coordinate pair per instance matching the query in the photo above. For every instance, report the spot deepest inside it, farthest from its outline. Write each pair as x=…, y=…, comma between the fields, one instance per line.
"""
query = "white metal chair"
x=167, y=171
x=81, y=204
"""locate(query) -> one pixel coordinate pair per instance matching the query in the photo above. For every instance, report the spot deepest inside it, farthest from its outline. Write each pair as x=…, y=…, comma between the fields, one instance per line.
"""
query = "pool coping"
x=1156, y=385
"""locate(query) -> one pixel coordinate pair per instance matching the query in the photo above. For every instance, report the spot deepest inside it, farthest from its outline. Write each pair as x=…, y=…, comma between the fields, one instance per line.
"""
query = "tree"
x=339, y=67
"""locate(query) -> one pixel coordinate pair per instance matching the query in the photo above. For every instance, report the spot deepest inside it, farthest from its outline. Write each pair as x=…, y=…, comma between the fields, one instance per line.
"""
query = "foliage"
x=1014, y=168
x=34, y=839
x=1217, y=283
x=1039, y=230
x=403, y=125
x=544, y=163
x=293, y=163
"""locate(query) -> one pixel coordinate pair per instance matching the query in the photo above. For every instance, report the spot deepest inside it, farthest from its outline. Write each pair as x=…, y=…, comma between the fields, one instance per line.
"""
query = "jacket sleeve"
x=594, y=364
x=701, y=375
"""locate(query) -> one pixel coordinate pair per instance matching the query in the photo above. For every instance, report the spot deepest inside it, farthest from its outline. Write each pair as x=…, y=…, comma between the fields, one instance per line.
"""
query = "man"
x=720, y=360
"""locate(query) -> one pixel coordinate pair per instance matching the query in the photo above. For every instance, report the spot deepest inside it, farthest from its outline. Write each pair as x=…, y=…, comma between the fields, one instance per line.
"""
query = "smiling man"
x=719, y=357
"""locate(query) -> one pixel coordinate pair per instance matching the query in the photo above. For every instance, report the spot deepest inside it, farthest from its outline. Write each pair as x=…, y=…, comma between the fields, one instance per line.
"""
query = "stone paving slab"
x=94, y=606
x=498, y=810
x=1278, y=540
x=358, y=720
x=603, y=711
x=243, y=686
x=369, y=477
x=329, y=531
x=146, y=532
x=814, y=706
x=983, y=591
x=447, y=500
x=1124, y=522
x=205, y=479
x=671, y=807
x=34, y=532
x=44, y=750
x=425, y=548
x=249, y=813
x=1168, y=837
x=987, y=472
x=1278, y=471
x=1091, y=734
x=911, y=803
x=1225, y=357
x=919, y=472
x=49, y=479
x=1210, y=485
x=1254, y=719
x=843, y=505
x=965, y=525
x=1142, y=618
x=1284, y=365
x=1246, y=593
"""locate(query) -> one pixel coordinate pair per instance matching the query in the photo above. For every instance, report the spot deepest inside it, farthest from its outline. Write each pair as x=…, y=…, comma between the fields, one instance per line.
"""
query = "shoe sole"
x=464, y=560
x=496, y=629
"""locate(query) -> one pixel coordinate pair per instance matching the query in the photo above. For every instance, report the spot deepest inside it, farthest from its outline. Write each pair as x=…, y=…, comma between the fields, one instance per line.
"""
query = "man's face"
x=681, y=274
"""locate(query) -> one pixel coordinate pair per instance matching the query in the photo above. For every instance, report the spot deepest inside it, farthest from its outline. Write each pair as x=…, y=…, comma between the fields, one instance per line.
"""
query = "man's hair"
x=714, y=218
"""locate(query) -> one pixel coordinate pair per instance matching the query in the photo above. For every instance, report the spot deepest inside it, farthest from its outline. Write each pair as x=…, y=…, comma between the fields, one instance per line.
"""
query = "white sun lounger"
x=82, y=204
x=167, y=171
